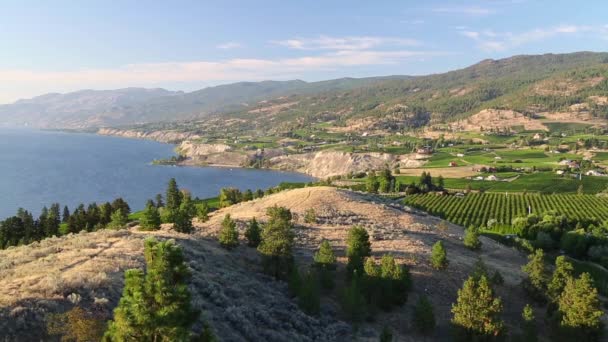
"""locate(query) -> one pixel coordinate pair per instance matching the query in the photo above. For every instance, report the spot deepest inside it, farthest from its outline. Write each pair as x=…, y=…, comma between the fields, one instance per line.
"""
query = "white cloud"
x=345, y=43
x=489, y=40
x=238, y=69
x=466, y=10
x=229, y=45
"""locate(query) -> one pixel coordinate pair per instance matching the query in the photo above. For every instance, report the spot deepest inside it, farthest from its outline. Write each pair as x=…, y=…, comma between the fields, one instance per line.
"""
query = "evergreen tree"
x=66, y=214
x=562, y=273
x=372, y=184
x=480, y=270
x=182, y=216
x=439, y=258
x=150, y=219
x=471, y=239
x=159, y=201
x=277, y=242
x=579, y=310
x=395, y=283
x=248, y=195
x=440, y=182
x=424, y=316
x=309, y=299
x=325, y=256
x=155, y=306
x=122, y=205
x=529, y=324
x=352, y=300
x=105, y=213
x=325, y=261
x=53, y=221
x=173, y=196
x=118, y=220
x=253, y=234
x=536, y=282
x=476, y=312
x=228, y=235
x=358, y=248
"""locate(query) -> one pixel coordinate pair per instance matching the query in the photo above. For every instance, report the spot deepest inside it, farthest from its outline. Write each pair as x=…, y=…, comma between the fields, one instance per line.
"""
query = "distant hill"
x=525, y=84
x=100, y=108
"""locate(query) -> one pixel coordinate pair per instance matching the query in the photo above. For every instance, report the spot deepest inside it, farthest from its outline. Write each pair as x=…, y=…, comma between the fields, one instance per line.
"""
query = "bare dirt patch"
x=446, y=172
x=496, y=118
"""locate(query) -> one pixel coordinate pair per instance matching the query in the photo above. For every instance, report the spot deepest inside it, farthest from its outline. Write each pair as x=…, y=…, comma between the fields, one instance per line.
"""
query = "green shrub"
x=228, y=235
x=439, y=258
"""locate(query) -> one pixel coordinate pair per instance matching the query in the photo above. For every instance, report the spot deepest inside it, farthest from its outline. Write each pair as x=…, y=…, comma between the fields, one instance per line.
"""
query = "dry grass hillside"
x=407, y=235
x=235, y=297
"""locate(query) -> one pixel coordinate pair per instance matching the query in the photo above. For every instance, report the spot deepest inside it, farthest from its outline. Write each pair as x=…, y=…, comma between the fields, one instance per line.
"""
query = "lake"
x=38, y=168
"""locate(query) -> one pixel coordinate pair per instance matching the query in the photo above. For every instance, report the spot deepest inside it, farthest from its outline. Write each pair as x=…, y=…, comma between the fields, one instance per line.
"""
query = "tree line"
x=22, y=228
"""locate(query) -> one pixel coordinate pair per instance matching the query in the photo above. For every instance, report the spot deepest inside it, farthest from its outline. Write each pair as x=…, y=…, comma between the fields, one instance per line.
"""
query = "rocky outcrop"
x=320, y=164
x=334, y=163
x=190, y=149
x=161, y=136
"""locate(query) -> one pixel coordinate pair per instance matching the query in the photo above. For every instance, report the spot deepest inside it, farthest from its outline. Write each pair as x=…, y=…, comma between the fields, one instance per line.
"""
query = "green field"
x=476, y=208
x=524, y=158
x=540, y=182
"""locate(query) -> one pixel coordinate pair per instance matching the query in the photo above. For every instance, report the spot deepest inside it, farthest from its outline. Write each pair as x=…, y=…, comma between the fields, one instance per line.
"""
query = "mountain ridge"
x=502, y=84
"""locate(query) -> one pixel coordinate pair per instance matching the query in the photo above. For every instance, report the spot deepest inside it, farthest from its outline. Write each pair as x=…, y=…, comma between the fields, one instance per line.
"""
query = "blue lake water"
x=38, y=168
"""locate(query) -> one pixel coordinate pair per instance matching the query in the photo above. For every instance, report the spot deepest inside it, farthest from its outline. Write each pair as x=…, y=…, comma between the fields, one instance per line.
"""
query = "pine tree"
x=173, y=196
x=155, y=305
x=352, y=300
x=66, y=214
x=118, y=220
x=439, y=258
x=253, y=233
x=536, y=282
x=309, y=298
x=159, y=201
x=395, y=282
x=372, y=184
x=424, y=316
x=562, y=273
x=529, y=324
x=228, y=235
x=277, y=242
x=150, y=219
x=325, y=256
x=358, y=248
x=476, y=312
x=471, y=239
x=579, y=310
x=325, y=261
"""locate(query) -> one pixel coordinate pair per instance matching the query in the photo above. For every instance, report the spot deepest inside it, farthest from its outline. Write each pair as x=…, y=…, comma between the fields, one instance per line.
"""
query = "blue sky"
x=61, y=46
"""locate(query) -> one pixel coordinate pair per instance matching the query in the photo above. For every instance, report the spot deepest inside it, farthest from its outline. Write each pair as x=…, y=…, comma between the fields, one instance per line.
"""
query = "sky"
x=63, y=46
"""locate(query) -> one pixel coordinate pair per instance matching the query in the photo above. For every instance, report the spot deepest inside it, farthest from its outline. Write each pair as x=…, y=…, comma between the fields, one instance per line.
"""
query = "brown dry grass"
x=238, y=300
x=393, y=230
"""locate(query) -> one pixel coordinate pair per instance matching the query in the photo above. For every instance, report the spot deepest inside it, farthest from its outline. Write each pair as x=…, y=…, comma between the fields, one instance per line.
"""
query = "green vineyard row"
x=478, y=208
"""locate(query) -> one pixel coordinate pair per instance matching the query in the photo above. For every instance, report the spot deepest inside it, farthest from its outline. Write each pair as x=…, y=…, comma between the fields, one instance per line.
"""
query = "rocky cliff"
x=320, y=164
x=161, y=136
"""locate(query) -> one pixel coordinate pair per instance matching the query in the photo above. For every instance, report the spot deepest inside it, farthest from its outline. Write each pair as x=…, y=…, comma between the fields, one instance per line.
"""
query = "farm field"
x=477, y=208
x=539, y=182
x=525, y=158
